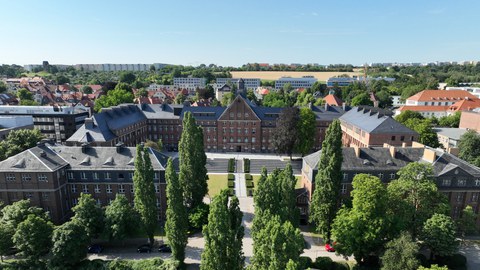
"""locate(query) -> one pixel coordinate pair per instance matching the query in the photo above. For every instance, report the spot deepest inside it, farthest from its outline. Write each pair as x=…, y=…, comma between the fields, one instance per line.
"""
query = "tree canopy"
x=18, y=141
x=469, y=147
x=439, y=235
x=285, y=136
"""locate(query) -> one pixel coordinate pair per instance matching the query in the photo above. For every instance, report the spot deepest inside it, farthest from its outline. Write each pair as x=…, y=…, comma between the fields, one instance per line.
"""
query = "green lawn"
x=257, y=177
x=217, y=182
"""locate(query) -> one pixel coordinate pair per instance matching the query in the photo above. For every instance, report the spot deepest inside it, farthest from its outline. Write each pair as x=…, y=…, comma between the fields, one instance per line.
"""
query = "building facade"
x=470, y=120
x=250, y=83
x=366, y=127
x=52, y=177
x=458, y=180
x=303, y=82
x=55, y=122
x=10, y=123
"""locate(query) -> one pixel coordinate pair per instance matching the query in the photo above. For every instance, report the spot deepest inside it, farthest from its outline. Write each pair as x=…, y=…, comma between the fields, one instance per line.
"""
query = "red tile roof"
x=332, y=100
x=429, y=95
x=465, y=105
x=424, y=108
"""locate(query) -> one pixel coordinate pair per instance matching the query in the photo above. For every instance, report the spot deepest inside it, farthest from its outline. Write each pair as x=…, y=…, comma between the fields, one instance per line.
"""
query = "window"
x=83, y=175
x=477, y=182
x=28, y=195
x=45, y=196
x=157, y=188
x=74, y=201
x=97, y=188
x=158, y=202
x=107, y=175
x=10, y=177
x=345, y=176
x=393, y=138
x=459, y=197
x=26, y=177
x=109, y=189
x=246, y=139
x=446, y=182
x=132, y=190
x=474, y=197
x=380, y=175
x=85, y=189
x=99, y=202
x=95, y=175
x=344, y=189
x=156, y=176
x=253, y=139
x=74, y=188
x=130, y=174
x=121, y=188
x=461, y=182
x=42, y=177
x=70, y=175
x=392, y=176
x=253, y=131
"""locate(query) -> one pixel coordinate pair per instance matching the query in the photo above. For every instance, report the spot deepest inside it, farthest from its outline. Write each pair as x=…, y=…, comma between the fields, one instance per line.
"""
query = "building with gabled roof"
x=333, y=100
x=438, y=97
x=458, y=180
x=53, y=176
x=366, y=127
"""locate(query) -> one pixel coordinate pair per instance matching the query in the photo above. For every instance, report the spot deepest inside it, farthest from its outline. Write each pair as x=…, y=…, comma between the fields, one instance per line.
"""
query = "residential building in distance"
x=250, y=83
x=53, y=176
x=346, y=81
x=474, y=90
x=449, y=137
x=189, y=83
x=103, y=67
x=458, y=180
x=367, y=127
x=9, y=123
x=303, y=82
x=470, y=120
x=8, y=99
x=55, y=122
x=397, y=101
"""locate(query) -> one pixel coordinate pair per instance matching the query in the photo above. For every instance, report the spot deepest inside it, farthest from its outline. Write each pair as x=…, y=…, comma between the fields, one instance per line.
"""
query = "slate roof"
x=160, y=111
x=36, y=159
x=374, y=122
x=452, y=133
x=328, y=113
x=204, y=113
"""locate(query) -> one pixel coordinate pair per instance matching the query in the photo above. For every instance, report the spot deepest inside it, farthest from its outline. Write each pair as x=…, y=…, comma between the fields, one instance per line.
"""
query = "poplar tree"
x=193, y=174
x=235, y=253
x=145, y=200
x=177, y=220
x=325, y=197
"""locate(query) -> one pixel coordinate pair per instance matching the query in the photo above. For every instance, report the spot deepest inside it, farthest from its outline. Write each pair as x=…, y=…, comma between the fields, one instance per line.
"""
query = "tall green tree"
x=439, y=235
x=362, y=99
x=362, y=229
x=424, y=128
x=18, y=212
x=145, y=200
x=469, y=147
x=414, y=198
x=18, y=141
x=236, y=260
x=325, y=197
x=33, y=237
x=176, y=226
x=193, y=174
x=285, y=136
x=6, y=238
x=306, y=127
x=400, y=254
x=467, y=223
x=120, y=219
x=89, y=214
x=70, y=241
x=113, y=98
x=405, y=115
x=127, y=77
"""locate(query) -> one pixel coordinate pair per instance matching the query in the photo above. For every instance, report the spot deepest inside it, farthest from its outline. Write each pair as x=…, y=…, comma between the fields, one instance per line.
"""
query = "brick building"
x=366, y=127
x=470, y=120
x=53, y=176
x=457, y=179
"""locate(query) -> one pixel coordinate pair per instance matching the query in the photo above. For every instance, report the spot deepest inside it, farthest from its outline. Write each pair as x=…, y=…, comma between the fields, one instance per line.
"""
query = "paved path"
x=240, y=185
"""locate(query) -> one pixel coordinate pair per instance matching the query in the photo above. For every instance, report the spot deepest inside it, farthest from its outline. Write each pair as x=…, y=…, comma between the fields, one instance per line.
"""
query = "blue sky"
x=191, y=32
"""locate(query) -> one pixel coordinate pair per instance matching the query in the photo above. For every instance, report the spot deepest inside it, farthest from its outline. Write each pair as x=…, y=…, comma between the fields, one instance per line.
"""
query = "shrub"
x=92, y=265
x=231, y=177
x=231, y=184
x=304, y=262
x=323, y=263
x=120, y=265
x=231, y=191
x=198, y=216
x=342, y=265
x=231, y=165
x=422, y=259
x=456, y=261
x=249, y=184
x=248, y=176
x=246, y=165
x=250, y=192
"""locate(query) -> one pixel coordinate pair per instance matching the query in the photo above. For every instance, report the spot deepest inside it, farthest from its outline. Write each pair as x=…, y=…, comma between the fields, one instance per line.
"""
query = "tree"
x=274, y=99
x=362, y=99
x=18, y=141
x=292, y=265
x=180, y=98
x=285, y=135
x=424, y=128
x=236, y=260
x=439, y=235
x=405, y=115
x=86, y=89
x=113, y=98
x=89, y=214
x=176, y=226
x=325, y=197
x=127, y=77
x=6, y=238
x=27, y=102
x=384, y=99
x=433, y=267
x=193, y=174
x=70, y=241
x=24, y=94
x=227, y=98
x=145, y=199
x=141, y=93
x=33, y=237
x=120, y=219
x=467, y=223
x=400, y=254
x=452, y=121
x=469, y=147
x=415, y=197
x=306, y=127
x=362, y=229
x=18, y=212
x=61, y=79
x=3, y=87
x=276, y=244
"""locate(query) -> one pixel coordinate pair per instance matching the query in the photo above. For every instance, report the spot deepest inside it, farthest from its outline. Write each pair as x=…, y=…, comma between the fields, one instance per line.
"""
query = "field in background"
x=274, y=75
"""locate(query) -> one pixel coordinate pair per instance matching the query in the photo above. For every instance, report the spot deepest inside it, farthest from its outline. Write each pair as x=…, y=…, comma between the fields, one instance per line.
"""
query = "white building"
x=345, y=81
x=473, y=90
x=189, y=83
x=304, y=82
x=250, y=83
x=397, y=101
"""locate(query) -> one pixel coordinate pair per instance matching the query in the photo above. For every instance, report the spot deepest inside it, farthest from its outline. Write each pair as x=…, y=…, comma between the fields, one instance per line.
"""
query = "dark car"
x=144, y=249
x=95, y=248
x=330, y=247
x=165, y=248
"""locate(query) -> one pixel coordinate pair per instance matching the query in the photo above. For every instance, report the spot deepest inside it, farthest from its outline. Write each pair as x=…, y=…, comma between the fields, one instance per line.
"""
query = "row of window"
x=239, y=140
x=105, y=175
x=26, y=177
x=380, y=176
x=460, y=182
x=108, y=188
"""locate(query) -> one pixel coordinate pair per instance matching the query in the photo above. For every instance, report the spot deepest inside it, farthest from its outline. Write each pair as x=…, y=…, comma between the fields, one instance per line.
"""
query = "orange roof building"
x=439, y=97
x=465, y=105
x=332, y=100
x=426, y=111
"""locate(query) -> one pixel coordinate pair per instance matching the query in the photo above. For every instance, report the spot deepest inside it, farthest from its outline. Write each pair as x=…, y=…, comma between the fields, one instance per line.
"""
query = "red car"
x=329, y=247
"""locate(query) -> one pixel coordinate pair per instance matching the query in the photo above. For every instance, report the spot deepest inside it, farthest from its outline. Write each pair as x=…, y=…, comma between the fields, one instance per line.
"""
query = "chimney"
x=326, y=106
x=404, y=145
x=429, y=155
x=119, y=146
x=357, y=151
x=454, y=151
x=84, y=147
x=417, y=145
x=392, y=151
x=386, y=145
x=89, y=123
x=343, y=106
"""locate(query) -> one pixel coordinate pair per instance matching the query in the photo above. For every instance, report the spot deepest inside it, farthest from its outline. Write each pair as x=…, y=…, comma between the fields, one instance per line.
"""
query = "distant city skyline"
x=233, y=33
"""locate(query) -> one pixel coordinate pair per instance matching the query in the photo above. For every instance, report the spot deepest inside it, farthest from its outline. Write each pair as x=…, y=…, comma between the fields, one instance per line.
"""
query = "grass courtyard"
x=216, y=182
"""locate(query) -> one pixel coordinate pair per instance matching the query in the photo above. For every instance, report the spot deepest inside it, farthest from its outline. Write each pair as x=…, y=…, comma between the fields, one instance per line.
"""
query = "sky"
x=232, y=33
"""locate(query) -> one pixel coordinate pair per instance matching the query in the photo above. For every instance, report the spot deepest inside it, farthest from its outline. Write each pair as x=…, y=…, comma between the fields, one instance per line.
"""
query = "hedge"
x=231, y=184
x=246, y=165
x=323, y=263
x=248, y=176
x=231, y=177
x=231, y=165
x=456, y=261
x=249, y=183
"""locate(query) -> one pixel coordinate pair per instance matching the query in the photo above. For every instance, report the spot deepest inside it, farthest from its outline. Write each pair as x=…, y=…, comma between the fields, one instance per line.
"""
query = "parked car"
x=144, y=249
x=165, y=248
x=330, y=247
x=95, y=248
